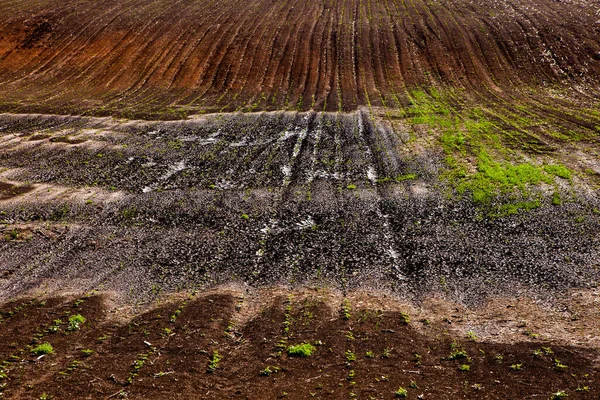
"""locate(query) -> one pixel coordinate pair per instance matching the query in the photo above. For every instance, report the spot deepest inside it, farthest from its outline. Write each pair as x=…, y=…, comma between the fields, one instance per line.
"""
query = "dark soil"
x=366, y=352
x=8, y=191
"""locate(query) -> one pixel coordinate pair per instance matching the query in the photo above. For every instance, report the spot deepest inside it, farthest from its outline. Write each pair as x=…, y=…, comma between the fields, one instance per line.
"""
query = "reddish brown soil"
x=175, y=341
x=176, y=57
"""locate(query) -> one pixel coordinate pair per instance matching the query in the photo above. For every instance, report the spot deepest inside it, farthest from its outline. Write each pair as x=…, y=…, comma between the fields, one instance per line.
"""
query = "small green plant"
x=175, y=315
x=369, y=354
x=87, y=352
x=214, y=361
x=401, y=392
x=516, y=367
x=137, y=365
x=44, y=348
x=558, y=395
x=418, y=359
x=55, y=326
x=386, y=353
x=350, y=356
x=413, y=385
x=404, y=317
x=407, y=177
x=559, y=366
x=465, y=367
x=75, y=321
x=556, y=200
x=351, y=375
x=351, y=186
x=457, y=354
x=269, y=370
x=346, y=309
x=471, y=336
x=582, y=389
x=45, y=396
x=301, y=350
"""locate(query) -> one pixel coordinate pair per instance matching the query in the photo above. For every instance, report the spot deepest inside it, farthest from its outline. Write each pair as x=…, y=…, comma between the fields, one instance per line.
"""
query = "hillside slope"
x=168, y=59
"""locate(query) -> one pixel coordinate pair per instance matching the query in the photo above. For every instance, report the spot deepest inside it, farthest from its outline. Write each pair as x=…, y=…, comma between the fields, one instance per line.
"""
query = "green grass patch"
x=301, y=350
x=559, y=170
x=501, y=184
x=75, y=322
x=44, y=348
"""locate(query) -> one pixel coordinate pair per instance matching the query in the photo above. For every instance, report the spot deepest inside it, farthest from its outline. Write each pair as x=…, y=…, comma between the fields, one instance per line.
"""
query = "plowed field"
x=172, y=58
x=407, y=189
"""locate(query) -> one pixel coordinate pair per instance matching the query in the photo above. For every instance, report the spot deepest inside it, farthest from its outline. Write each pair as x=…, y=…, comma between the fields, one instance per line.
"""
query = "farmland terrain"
x=152, y=58
x=408, y=190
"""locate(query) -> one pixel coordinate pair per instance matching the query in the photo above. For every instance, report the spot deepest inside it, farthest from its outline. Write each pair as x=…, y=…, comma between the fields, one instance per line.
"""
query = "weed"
x=464, y=367
x=44, y=348
x=516, y=367
x=407, y=177
x=457, y=354
x=547, y=350
x=346, y=309
x=87, y=352
x=269, y=370
x=75, y=321
x=404, y=317
x=471, y=336
x=350, y=356
x=559, y=366
x=55, y=326
x=175, y=315
x=301, y=350
x=351, y=375
x=137, y=365
x=129, y=214
x=559, y=170
x=214, y=362
x=556, y=200
x=351, y=186
x=386, y=353
x=401, y=392
x=418, y=359
x=582, y=389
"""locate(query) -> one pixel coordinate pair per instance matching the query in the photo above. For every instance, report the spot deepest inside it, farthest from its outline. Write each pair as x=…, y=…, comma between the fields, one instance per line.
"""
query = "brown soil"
x=174, y=342
x=8, y=190
x=168, y=59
